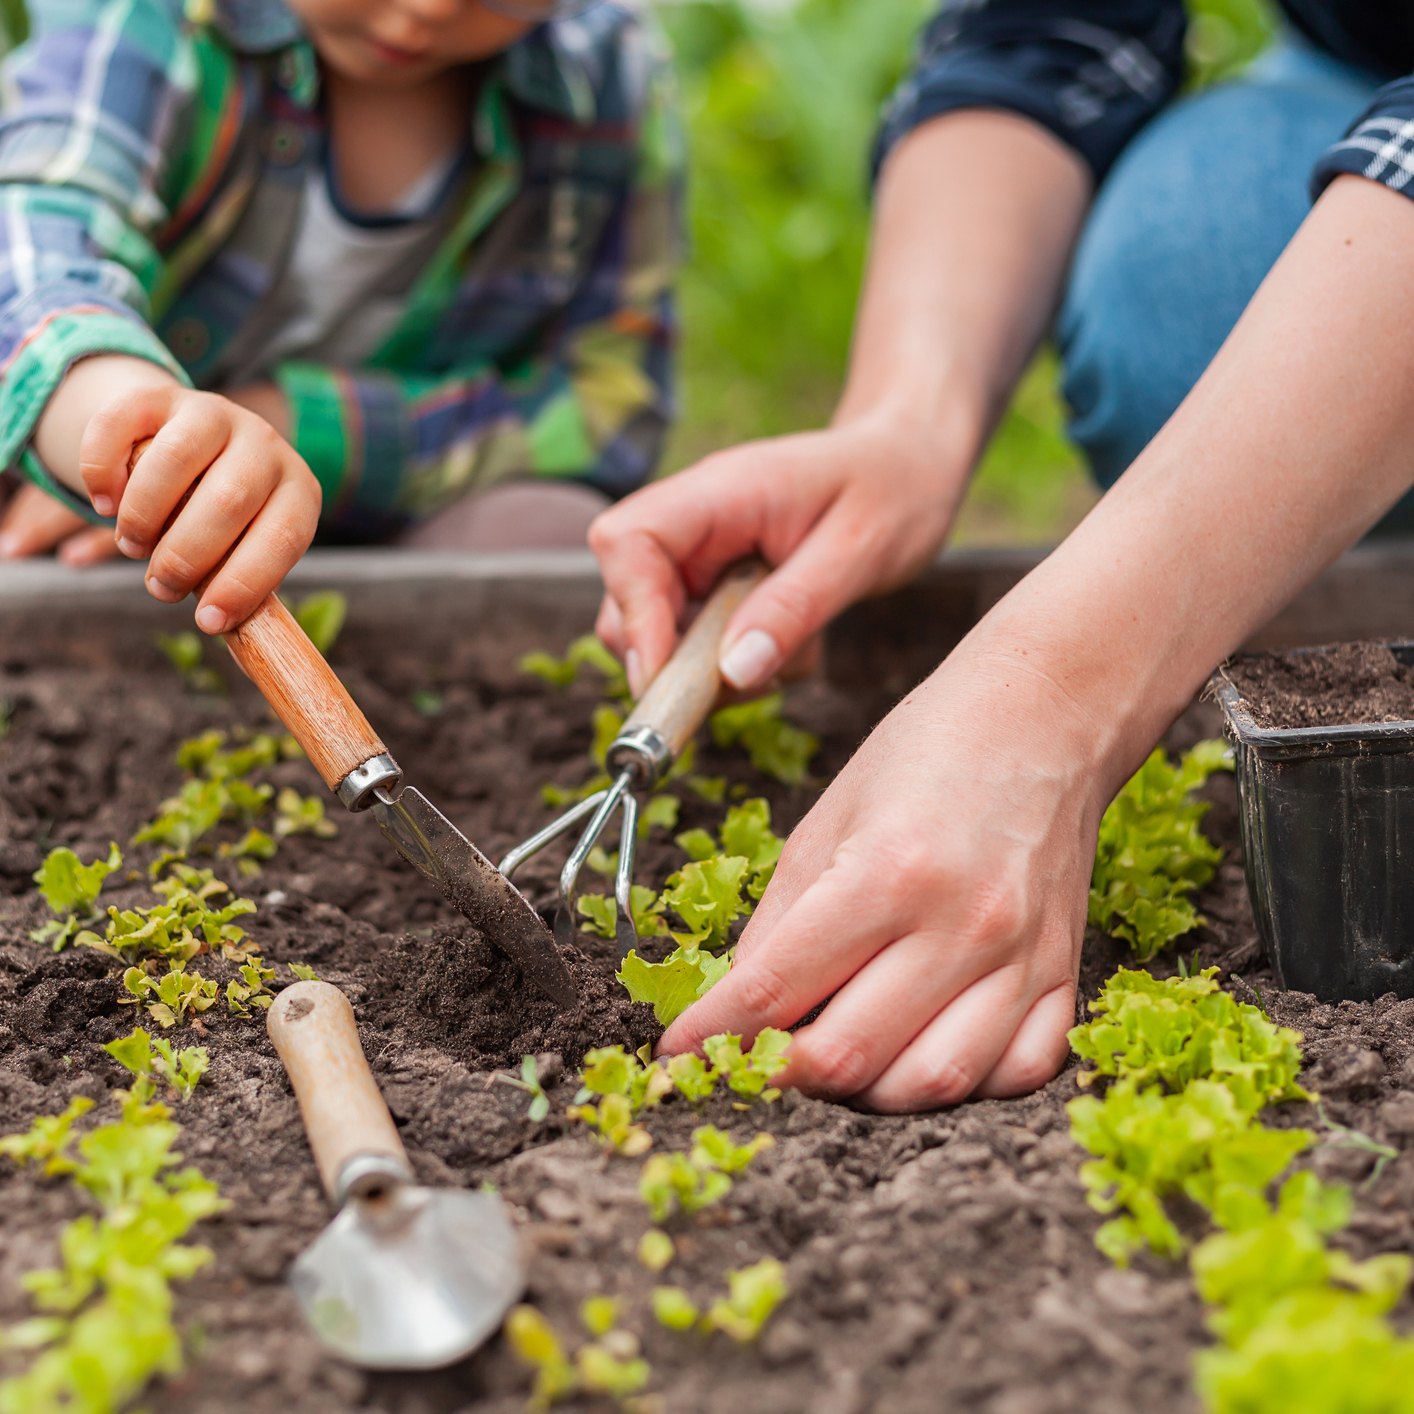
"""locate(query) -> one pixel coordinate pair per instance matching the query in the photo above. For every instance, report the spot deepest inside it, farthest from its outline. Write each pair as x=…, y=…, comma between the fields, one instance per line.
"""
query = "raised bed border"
x=443, y=603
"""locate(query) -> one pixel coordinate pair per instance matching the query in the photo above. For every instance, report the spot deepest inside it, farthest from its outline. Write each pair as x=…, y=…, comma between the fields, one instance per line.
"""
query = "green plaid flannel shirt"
x=152, y=169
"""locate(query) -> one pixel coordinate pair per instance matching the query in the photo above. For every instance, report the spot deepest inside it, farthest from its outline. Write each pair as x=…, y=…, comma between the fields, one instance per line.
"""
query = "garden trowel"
x=307, y=696
x=404, y=1278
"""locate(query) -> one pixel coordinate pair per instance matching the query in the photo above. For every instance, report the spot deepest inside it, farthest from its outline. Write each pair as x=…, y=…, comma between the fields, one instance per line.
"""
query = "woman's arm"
x=937, y=892
x=976, y=215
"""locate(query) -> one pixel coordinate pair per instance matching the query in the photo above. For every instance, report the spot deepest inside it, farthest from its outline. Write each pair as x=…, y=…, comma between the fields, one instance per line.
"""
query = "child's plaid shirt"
x=152, y=170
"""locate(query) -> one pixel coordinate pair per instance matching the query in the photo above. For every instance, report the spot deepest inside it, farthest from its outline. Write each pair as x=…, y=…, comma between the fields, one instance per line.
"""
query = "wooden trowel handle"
x=313, y=1028
x=680, y=697
x=296, y=681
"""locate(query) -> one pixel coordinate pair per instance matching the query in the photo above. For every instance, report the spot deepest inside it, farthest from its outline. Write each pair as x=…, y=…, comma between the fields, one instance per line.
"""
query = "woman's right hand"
x=838, y=514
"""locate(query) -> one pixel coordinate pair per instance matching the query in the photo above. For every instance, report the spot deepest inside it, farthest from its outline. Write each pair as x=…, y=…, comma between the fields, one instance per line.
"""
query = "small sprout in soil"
x=755, y=1292
x=692, y=1078
x=598, y=1313
x=655, y=1249
x=296, y=815
x=712, y=789
x=530, y=1082
x=179, y=929
x=169, y=999
x=186, y=652
x=7, y=716
x=534, y=1341
x=602, y=1371
x=252, y=847
x=777, y=749
x=152, y=1059
x=750, y=1074
x=47, y=1139
x=252, y=990
x=427, y=703
x=108, y=1325
x=613, y=1118
x=1151, y=854
x=70, y=887
x=1347, y=1138
x=304, y=972
x=711, y=1148
x=674, y=1308
x=561, y=672
x=602, y=912
x=670, y=1181
x=321, y=615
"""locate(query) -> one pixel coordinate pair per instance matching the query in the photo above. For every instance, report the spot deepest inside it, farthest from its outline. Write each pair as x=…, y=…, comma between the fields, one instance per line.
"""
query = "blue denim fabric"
x=1190, y=219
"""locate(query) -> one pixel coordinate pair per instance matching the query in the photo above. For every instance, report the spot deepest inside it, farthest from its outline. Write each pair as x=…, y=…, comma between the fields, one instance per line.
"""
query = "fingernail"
x=103, y=505
x=164, y=592
x=633, y=667
x=11, y=547
x=130, y=548
x=751, y=659
x=210, y=619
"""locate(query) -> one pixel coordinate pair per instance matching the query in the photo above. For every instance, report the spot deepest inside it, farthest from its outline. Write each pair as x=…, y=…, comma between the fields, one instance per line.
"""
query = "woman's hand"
x=936, y=895
x=35, y=523
x=839, y=514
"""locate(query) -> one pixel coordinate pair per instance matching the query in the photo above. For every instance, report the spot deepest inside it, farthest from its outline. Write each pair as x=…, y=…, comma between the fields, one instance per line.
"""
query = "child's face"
x=401, y=42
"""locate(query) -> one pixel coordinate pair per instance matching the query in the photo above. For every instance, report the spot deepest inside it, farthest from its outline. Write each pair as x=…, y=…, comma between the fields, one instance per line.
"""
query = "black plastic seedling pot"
x=1328, y=840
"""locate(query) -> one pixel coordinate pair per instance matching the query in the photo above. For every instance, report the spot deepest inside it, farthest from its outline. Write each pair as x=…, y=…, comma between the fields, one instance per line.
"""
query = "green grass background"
x=781, y=100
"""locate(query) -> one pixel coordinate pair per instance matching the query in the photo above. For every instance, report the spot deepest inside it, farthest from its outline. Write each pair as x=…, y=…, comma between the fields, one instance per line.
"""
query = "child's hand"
x=840, y=514
x=222, y=475
x=34, y=522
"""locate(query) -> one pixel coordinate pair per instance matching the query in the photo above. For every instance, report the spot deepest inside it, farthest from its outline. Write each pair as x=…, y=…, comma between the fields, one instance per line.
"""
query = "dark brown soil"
x=936, y=1262
x=1347, y=684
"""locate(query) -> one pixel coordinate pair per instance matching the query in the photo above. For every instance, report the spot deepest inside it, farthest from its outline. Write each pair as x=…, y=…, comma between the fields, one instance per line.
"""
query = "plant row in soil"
x=942, y=1260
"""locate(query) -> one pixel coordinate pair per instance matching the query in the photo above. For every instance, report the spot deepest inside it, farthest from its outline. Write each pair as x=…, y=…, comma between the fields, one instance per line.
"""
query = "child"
x=381, y=253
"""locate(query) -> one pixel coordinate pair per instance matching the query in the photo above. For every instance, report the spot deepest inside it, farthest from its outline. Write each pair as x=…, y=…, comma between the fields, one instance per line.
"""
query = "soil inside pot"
x=1347, y=684
x=935, y=1261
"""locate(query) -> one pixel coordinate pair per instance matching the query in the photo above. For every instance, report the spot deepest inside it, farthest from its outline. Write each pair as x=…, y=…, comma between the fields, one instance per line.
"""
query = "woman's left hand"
x=34, y=523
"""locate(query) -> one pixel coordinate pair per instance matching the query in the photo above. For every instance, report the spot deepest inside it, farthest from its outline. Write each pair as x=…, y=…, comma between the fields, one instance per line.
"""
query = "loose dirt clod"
x=935, y=1261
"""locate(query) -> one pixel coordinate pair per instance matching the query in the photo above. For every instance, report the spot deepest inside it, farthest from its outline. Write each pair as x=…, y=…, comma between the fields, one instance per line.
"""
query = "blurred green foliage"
x=782, y=99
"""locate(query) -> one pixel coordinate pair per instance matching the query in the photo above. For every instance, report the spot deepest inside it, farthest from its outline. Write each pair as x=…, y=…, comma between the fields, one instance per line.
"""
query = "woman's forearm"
x=975, y=217
x=1293, y=443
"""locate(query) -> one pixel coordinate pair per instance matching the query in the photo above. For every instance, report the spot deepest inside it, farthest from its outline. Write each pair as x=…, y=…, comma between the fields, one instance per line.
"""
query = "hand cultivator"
x=404, y=1278
x=314, y=705
x=661, y=725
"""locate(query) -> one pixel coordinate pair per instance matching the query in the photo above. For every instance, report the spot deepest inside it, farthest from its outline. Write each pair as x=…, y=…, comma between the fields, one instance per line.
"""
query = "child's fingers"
x=35, y=522
x=89, y=546
x=186, y=446
x=110, y=436
x=220, y=506
x=273, y=542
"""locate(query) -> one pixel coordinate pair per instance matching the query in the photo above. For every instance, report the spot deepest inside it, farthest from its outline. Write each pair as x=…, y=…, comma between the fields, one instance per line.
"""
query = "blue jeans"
x=1186, y=225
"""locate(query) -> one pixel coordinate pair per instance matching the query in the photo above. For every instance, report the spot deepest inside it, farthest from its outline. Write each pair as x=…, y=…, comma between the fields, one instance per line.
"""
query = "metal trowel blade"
x=414, y=1286
x=474, y=886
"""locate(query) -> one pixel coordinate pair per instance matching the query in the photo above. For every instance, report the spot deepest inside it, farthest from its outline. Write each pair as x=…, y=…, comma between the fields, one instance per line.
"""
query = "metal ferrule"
x=642, y=752
x=356, y=789
x=365, y=1175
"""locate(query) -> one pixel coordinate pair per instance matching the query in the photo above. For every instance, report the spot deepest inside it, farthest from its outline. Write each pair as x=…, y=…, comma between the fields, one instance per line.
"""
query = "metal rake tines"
x=599, y=806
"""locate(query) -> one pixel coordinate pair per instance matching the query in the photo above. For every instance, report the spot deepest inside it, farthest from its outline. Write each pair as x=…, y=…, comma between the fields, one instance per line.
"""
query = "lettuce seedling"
x=586, y=651
x=711, y=1148
x=673, y=1181
x=777, y=749
x=47, y=1140
x=1148, y=1145
x=671, y=986
x=70, y=887
x=706, y=895
x=603, y=913
x=692, y=1077
x=1151, y=854
x=598, y=1313
x=153, y=1058
x=750, y=1074
x=186, y=652
x=303, y=972
x=170, y=998
x=296, y=815
x=755, y=1292
x=252, y=990
x=655, y=1249
x=321, y=615
x=674, y=1308
x=1187, y=1028
x=530, y=1082
x=182, y=927
x=534, y=1341
x=608, y=1366
x=745, y=833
